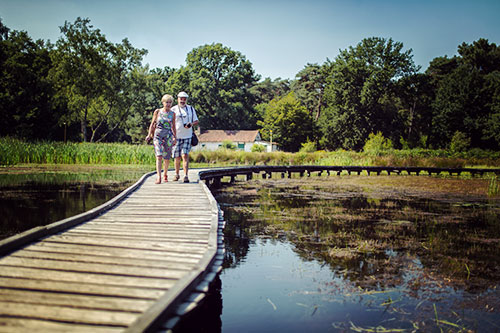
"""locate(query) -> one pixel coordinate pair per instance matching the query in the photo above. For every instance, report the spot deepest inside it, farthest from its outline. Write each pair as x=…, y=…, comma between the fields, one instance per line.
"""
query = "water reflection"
x=393, y=259
x=28, y=200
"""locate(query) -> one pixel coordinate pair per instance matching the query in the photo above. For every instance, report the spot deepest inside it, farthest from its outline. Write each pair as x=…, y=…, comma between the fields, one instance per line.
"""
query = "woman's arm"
x=174, y=130
x=152, y=126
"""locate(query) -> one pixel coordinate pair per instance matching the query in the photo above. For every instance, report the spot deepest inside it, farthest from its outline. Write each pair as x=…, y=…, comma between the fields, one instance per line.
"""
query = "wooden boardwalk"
x=135, y=267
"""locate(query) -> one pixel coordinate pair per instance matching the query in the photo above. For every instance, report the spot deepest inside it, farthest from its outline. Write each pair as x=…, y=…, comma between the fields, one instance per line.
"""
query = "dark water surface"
x=34, y=198
x=322, y=256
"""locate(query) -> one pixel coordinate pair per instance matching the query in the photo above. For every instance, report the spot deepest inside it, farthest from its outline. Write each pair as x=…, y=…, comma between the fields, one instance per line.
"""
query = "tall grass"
x=13, y=151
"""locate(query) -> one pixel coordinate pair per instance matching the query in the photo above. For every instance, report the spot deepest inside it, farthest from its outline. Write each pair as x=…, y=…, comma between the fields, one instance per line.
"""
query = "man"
x=185, y=119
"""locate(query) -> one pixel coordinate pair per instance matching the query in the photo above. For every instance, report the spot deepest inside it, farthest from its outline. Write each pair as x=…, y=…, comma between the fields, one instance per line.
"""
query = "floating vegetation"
x=422, y=252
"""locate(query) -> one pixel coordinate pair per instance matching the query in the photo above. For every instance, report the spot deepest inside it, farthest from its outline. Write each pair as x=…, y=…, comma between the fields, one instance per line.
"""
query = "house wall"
x=247, y=146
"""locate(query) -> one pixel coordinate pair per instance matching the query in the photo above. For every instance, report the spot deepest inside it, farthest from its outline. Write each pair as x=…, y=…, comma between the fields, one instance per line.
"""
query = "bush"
x=257, y=148
x=376, y=144
x=228, y=145
x=308, y=147
x=459, y=142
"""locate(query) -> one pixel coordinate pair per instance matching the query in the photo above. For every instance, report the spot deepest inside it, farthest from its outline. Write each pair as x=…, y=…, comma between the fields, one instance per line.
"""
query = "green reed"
x=494, y=186
x=13, y=151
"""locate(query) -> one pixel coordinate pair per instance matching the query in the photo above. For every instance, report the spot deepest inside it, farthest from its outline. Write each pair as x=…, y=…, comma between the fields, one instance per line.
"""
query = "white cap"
x=183, y=94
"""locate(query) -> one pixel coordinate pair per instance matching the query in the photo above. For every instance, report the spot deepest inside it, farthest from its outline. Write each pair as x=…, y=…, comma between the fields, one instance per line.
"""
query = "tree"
x=289, y=121
x=25, y=93
x=267, y=89
x=467, y=92
x=361, y=93
x=309, y=87
x=124, y=86
x=218, y=81
x=415, y=96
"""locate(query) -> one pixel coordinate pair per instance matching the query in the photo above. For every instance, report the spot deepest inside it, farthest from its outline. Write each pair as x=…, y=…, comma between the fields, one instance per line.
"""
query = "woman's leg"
x=158, y=169
x=167, y=162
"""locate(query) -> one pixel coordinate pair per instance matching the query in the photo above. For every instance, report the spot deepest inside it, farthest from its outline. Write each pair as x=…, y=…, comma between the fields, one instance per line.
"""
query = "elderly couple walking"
x=171, y=130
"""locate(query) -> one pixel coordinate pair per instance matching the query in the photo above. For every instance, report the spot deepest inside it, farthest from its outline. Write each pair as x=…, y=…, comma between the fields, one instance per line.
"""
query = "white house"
x=242, y=139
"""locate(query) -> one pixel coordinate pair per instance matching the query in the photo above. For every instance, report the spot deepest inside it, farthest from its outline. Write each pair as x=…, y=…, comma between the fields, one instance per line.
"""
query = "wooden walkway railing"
x=134, y=264
x=213, y=177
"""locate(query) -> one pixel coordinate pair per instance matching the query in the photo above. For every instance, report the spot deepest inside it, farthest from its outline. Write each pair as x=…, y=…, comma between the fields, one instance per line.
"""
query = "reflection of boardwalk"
x=126, y=269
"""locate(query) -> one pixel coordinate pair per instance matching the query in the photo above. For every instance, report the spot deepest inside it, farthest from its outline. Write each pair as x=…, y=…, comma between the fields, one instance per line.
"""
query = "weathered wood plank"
x=98, y=259
x=104, y=250
x=147, y=245
x=80, y=288
x=104, y=279
x=177, y=236
x=66, y=314
x=75, y=300
x=11, y=325
x=12, y=262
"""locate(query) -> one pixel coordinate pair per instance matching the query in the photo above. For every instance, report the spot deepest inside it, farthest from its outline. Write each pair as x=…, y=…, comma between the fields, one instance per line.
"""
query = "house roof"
x=228, y=135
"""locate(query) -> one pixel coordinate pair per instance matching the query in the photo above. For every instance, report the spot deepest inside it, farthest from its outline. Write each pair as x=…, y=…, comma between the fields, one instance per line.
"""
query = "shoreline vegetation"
x=15, y=152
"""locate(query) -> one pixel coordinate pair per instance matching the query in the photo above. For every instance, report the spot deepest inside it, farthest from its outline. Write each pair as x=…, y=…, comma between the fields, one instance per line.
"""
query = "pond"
x=359, y=253
x=36, y=196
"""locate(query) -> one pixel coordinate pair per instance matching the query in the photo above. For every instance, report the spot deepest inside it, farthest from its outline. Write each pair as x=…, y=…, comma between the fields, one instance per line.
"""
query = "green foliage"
x=218, y=80
x=289, y=122
x=376, y=144
x=493, y=186
x=13, y=151
x=228, y=145
x=93, y=78
x=459, y=142
x=257, y=148
x=361, y=93
x=94, y=90
x=26, y=109
x=308, y=147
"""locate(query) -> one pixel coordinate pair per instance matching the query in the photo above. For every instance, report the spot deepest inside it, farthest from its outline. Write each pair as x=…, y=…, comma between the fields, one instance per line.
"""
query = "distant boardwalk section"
x=129, y=265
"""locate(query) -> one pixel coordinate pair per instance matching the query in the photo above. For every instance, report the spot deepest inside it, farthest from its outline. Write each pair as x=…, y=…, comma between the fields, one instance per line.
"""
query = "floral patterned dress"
x=164, y=137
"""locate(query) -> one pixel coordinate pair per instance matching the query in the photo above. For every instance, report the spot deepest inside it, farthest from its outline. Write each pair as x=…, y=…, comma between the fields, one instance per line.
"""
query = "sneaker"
x=186, y=179
x=176, y=178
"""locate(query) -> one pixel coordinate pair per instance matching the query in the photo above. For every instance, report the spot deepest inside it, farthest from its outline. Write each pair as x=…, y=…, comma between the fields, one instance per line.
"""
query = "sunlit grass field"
x=14, y=151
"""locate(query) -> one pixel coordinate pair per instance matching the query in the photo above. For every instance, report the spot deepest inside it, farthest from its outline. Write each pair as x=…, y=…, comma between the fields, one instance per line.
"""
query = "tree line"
x=85, y=88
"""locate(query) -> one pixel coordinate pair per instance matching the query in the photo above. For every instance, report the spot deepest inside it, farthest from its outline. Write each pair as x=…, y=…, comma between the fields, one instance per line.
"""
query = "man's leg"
x=177, y=167
x=185, y=166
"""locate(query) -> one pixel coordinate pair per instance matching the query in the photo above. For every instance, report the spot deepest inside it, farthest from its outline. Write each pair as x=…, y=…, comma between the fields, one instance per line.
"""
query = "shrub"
x=376, y=144
x=308, y=147
x=228, y=145
x=459, y=142
x=257, y=148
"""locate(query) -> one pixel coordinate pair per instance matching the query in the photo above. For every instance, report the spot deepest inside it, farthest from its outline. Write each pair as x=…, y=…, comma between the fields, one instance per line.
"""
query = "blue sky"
x=279, y=37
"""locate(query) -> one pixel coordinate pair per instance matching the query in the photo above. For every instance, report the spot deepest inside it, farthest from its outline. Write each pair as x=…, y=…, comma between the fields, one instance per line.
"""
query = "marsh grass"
x=494, y=186
x=14, y=151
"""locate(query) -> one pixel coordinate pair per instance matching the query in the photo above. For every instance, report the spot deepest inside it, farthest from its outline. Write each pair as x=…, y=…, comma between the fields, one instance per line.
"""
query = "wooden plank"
x=178, y=219
x=12, y=262
x=80, y=288
x=10, y=325
x=66, y=314
x=104, y=250
x=98, y=259
x=177, y=236
x=118, y=226
x=147, y=245
x=75, y=300
x=104, y=279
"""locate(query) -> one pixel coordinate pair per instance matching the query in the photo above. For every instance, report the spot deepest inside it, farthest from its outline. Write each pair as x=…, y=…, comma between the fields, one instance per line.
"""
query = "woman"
x=164, y=138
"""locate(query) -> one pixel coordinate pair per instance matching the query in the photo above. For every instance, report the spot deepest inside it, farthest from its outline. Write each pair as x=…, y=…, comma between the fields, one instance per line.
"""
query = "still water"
x=321, y=256
x=31, y=198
